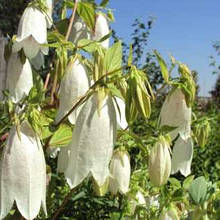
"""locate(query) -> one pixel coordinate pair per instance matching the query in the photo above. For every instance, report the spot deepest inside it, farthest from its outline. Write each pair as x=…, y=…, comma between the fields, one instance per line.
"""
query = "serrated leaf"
x=87, y=12
x=163, y=66
x=198, y=190
x=113, y=57
x=61, y=137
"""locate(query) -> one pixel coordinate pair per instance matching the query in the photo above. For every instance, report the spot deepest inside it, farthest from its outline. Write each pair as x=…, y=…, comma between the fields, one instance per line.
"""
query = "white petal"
x=79, y=31
x=101, y=29
x=175, y=113
x=120, y=171
x=49, y=18
x=32, y=23
x=3, y=42
x=182, y=156
x=31, y=47
x=38, y=61
x=92, y=142
x=63, y=159
x=74, y=84
x=121, y=118
x=23, y=172
x=19, y=78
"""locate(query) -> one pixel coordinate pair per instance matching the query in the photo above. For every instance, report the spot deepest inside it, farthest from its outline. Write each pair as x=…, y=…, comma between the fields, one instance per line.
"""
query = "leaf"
x=175, y=183
x=163, y=66
x=113, y=57
x=87, y=12
x=62, y=26
x=130, y=57
x=187, y=182
x=198, y=190
x=61, y=137
x=104, y=3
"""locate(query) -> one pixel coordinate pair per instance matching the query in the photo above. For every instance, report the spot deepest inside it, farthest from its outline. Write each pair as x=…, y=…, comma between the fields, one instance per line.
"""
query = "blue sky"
x=186, y=29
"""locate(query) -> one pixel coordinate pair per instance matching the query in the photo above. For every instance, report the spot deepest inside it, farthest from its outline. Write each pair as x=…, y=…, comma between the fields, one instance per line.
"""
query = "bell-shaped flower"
x=19, y=78
x=32, y=33
x=3, y=42
x=101, y=30
x=23, y=173
x=175, y=113
x=79, y=31
x=182, y=156
x=120, y=171
x=92, y=142
x=120, y=113
x=74, y=84
x=159, y=163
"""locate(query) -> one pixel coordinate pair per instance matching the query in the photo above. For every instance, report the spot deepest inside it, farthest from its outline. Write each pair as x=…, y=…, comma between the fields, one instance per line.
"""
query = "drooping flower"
x=101, y=30
x=32, y=32
x=23, y=173
x=182, y=156
x=92, y=142
x=121, y=118
x=3, y=42
x=120, y=171
x=79, y=31
x=19, y=78
x=175, y=113
x=74, y=84
x=159, y=163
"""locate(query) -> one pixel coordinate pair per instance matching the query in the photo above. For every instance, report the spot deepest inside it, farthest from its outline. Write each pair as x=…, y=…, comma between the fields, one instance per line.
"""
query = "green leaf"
x=61, y=137
x=130, y=57
x=113, y=57
x=187, y=182
x=198, y=190
x=163, y=66
x=87, y=12
x=175, y=183
x=62, y=26
x=104, y=3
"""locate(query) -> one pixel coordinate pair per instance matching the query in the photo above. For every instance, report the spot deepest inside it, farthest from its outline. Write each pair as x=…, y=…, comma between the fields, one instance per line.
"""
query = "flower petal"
x=19, y=78
x=92, y=142
x=175, y=113
x=74, y=84
x=23, y=171
x=182, y=156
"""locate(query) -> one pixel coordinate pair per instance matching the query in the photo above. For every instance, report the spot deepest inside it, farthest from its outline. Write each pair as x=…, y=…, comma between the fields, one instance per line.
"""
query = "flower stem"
x=71, y=20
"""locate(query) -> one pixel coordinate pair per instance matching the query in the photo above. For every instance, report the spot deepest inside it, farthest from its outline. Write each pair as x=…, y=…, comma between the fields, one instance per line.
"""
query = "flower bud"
x=159, y=163
x=120, y=171
x=175, y=113
x=101, y=29
x=23, y=173
x=19, y=78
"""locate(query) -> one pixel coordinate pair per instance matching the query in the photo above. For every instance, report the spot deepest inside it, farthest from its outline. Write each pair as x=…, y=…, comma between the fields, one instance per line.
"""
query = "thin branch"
x=54, y=83
x=60, y=209
x=71, y=20
x=47, y=81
